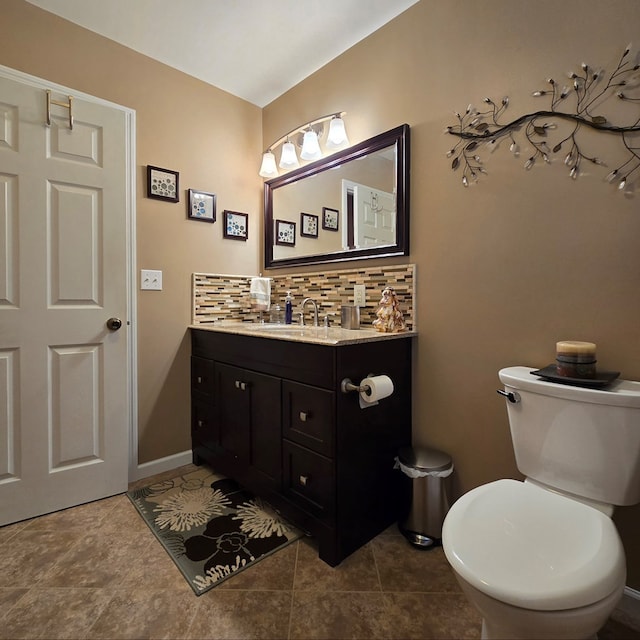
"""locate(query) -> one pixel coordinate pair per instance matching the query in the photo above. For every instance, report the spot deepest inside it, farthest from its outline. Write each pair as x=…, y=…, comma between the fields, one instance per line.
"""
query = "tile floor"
x=97, y=571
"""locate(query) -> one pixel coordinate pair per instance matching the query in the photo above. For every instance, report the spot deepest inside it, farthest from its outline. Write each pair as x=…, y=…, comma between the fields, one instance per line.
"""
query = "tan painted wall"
x=523, y=259
x=504, y=269
x=212, y=138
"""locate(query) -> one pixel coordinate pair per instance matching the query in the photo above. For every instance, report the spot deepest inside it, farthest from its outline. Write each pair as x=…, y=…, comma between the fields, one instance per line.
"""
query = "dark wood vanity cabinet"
x=271, y=414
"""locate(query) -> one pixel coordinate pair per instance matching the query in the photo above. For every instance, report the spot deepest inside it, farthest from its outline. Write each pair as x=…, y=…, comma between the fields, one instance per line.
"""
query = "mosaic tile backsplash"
x=225, y=297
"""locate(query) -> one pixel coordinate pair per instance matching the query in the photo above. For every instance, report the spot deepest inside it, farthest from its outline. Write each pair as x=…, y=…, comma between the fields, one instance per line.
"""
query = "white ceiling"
x=254, y=49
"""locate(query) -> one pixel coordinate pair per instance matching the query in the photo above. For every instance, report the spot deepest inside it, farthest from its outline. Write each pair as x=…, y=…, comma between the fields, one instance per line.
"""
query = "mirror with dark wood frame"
x=351, y=205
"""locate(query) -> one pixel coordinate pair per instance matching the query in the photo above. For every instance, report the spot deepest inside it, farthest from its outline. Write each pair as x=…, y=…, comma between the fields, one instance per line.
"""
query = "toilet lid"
x=532, y=548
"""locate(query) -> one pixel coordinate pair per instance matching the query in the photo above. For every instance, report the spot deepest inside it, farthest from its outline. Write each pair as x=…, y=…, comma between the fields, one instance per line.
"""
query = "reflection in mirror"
x=361, y=199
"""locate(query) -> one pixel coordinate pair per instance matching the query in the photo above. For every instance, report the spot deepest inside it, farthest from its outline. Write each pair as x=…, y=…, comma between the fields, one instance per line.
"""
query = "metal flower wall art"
x=578, y=104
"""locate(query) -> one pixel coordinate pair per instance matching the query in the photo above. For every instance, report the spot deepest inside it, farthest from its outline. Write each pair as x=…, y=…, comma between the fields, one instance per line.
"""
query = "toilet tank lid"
x=621, y=393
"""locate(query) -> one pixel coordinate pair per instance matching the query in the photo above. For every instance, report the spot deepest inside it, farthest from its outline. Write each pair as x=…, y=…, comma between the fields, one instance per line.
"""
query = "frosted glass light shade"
x=289, y=158
x=337, y=136
x=268, y=168
x=310, y=146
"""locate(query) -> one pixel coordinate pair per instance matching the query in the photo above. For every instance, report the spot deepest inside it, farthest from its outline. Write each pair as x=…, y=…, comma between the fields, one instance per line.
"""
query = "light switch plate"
x=359, y=295
x=150, y=280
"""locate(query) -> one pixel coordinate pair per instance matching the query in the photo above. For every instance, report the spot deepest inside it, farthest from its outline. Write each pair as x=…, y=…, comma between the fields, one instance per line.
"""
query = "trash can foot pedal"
x=419, y=540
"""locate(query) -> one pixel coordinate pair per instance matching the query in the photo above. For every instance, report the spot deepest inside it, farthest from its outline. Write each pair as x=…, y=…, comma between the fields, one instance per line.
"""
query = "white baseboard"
x=628, y=610
x=147, y=469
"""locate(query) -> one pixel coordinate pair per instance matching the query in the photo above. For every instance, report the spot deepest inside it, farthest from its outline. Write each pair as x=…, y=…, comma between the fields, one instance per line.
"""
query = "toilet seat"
x=532, y=548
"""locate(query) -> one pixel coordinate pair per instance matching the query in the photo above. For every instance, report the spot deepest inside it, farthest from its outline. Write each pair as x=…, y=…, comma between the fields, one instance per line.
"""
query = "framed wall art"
x=202, y=205
x=330, y=219
x=163, y=184
x=236, y=225
x=285, y=233
x=308, y=225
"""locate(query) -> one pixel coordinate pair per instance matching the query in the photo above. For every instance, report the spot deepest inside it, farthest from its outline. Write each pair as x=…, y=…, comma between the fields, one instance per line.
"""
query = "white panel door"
x=64, y=394
x=374, y=217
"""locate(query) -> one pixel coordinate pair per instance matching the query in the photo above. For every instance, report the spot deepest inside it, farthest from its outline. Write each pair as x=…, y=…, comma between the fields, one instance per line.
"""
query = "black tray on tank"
x=601, y=378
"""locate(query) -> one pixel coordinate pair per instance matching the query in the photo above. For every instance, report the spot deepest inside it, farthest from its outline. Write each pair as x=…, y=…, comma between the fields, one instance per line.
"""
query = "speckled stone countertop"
x=297, y=333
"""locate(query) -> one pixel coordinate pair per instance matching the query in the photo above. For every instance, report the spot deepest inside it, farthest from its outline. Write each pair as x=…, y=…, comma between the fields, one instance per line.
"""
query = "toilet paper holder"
x=346, y=386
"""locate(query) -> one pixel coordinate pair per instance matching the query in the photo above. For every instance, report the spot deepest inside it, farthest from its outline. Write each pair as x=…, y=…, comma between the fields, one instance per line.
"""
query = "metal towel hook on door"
x=511, y=396
x=66, y=105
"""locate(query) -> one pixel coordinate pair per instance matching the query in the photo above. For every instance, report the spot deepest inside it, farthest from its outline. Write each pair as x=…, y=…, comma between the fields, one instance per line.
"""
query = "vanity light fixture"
x=307, y=137
x=310, y=146
x=289, y=158
x=337, y=136
x=268, y=168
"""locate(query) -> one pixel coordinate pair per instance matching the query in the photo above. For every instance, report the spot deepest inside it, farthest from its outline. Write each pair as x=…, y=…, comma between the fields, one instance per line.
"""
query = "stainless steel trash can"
x=430, y=470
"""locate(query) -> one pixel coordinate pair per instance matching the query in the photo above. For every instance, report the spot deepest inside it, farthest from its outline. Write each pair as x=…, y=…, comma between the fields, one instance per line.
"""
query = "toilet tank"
x=579, y=440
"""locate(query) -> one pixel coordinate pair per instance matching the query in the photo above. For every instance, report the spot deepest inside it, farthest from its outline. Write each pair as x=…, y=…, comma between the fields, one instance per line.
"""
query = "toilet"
x=541, y=558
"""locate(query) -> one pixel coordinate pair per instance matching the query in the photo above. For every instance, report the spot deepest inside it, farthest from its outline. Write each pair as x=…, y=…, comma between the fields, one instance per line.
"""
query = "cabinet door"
x=202, y=380
x=203, y=424
x=249, y=410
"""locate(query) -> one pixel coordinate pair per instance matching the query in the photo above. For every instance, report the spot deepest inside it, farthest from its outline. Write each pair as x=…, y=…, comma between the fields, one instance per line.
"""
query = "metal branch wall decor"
x=587, y=90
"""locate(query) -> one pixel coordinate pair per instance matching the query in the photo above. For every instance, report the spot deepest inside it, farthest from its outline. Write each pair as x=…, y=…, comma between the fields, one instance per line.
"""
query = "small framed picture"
x=330, y=219
x=308, y=225
x=285, y=233
x=202, y=205
x=162, y=184
x=236, y=225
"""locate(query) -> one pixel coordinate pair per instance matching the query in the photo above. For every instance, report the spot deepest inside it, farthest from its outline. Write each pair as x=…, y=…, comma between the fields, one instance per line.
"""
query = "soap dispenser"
x=288, y=308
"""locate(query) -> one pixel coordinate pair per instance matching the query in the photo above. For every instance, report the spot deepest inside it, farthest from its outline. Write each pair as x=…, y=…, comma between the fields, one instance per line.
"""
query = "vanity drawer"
x=309, y=480
x=202, y=375
x=308, y=416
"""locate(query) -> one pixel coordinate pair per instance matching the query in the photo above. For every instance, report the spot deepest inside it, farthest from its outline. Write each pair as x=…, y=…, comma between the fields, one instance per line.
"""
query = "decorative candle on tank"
x=576, y=359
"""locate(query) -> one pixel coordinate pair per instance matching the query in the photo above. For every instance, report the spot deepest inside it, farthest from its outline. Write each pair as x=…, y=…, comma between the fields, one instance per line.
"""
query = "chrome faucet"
x=315, y=310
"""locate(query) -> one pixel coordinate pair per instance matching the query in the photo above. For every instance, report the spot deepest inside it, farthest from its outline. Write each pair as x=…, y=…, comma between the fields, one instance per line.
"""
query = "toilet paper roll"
x=379, y=387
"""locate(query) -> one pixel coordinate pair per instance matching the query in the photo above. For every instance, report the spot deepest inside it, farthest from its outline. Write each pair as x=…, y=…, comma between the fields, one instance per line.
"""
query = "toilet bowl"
x=535, y=563
x=503, y=621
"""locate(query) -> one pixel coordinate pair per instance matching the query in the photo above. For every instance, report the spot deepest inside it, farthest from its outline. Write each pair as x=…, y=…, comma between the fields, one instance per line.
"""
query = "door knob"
x=113, y=324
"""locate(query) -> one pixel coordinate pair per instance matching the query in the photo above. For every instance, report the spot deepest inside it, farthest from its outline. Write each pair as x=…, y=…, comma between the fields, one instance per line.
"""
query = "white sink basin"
x=293, y=329
x=268, y=326
x=331, y=334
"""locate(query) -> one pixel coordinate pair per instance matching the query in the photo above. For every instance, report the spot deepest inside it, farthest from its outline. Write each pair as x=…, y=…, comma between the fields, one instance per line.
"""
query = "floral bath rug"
x=210, y=526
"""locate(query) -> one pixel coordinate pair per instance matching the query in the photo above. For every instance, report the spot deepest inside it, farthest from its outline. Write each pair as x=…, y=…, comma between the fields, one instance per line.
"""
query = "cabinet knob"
x=305, y=415
x=199, y=379
x=241, y=385
x=304, y=480
x=200, y=423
